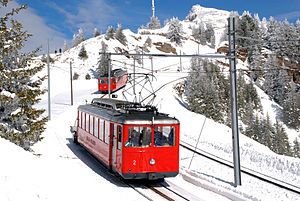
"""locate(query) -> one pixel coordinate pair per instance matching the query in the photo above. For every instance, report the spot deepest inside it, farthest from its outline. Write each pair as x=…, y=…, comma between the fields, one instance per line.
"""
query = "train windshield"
x=140, y=136
x=164, y=136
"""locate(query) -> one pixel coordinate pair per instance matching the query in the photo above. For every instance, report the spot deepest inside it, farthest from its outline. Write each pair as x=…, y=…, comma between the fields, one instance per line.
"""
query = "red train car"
x=117, y=81
x=135, y=141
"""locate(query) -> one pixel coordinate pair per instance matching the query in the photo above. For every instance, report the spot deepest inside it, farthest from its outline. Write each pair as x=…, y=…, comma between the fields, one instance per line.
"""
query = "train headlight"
x=152, y=161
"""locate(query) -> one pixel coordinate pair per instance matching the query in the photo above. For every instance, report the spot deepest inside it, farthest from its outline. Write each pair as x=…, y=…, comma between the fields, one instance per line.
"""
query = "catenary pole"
x=71, y=82
x=234, y=109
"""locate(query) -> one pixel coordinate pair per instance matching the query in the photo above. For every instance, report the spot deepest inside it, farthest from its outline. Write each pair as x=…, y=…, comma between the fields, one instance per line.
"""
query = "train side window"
x=79, y=119
x=101, y=129
x=96, y=127
x=164, y=136
x=139, y=137
x=83, y=120
x=92, y=125
x=119, y=135
x=107, y=133
x=87, y=122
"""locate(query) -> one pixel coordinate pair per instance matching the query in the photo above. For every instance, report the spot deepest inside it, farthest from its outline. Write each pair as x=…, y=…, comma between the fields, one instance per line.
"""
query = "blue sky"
x=65, y=17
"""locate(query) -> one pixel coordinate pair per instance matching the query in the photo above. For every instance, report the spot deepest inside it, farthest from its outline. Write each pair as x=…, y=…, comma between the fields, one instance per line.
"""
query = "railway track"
x=162, y=191
x=244, y=170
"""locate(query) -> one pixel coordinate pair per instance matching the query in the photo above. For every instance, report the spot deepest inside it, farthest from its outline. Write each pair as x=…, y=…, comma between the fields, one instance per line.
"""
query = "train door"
x=114, y=146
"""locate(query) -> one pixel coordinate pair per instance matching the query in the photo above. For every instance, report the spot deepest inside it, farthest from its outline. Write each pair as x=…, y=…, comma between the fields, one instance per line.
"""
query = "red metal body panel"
x=116, y=83
x=136, y=160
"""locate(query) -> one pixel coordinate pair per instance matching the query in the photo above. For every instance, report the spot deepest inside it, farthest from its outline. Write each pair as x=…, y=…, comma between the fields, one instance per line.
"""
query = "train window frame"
x=137, y=138
x=107, y=132
x=83, y=120
x=101, y=125
x=96, y=127
x=164, y=136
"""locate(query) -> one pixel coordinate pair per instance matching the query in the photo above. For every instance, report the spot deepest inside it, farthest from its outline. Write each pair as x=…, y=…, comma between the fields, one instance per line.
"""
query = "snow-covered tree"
x=281, y=142
x=96, y=32
x=65, y=47
x=148, y=42
x=276, y=80
x=202, y=90
x=175, y=31
x=103, y=64
x=82, y=53
x=20, y=87
x=110, y=33
x=120, y=35
x=78, y=38
x=199, y=34
x=291, y=107
x=154, y=23
x=296, y=148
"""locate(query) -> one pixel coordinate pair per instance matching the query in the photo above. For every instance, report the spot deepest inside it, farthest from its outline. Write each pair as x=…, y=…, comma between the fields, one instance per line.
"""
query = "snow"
x=60, y=170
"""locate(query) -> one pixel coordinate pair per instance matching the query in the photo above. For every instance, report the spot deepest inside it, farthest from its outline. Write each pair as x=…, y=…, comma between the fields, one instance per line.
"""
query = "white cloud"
x=89, y=14
x=35, y=25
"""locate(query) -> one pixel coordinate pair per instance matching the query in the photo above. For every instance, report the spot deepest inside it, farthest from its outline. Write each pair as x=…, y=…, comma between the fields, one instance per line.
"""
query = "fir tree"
x=20, y=121
x=148, y=42
x=110, y=33
x=103, y=64
x=291, y=108
x=78, y=38
x=96, y=32
x=83, y=53
x=296, y=148
x=120, y=35
x=154, y=23
x=280, y=142
x=175, y=31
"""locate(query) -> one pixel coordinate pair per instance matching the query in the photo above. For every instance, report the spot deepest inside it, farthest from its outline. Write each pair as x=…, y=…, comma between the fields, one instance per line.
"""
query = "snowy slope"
x=59, y=170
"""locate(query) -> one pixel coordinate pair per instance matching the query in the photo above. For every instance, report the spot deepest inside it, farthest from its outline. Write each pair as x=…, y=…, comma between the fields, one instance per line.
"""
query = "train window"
x=79, y=119
x=87, y=122
x=82, y=119
x=164, y=136
x=92, y=125
x=139, y=137
x=119, y=135
x=96, y=128
x=101, y=129
x=107, y=129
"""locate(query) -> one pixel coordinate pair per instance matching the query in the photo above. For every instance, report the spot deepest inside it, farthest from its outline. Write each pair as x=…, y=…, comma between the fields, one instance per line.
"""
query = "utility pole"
x=134, y=79
x=234, y=109
x=71, y=82
x=151, y=58
x=109, y=75
x=180, y=62
x=48, y=69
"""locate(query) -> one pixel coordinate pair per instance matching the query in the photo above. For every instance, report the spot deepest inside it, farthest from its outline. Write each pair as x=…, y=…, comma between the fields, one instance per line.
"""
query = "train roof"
x=125, y=112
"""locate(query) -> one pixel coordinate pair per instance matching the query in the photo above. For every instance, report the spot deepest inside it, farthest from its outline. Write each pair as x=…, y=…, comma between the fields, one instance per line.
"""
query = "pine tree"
x=110, y=33
x=291, y=107
x=209, y=33
x=103, y=64
x=199, y=34
x=267, y=132
x=202, y=90
x=296, y=148
x=175, y=31
x=154, y=23
x=83, y=53
x=65, y=47
x=281, y=142
x=120, y=35
x=276, y=80
x=20, y=121
x=148, y=42
x=78, y=38
x=96, y=32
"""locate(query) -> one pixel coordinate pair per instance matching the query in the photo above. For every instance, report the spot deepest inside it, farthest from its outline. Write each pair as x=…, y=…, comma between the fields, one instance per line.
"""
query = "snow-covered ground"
x=60, y=170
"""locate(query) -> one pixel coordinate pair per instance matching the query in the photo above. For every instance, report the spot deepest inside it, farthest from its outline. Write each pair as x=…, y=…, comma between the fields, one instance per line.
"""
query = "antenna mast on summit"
x=153, y=8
